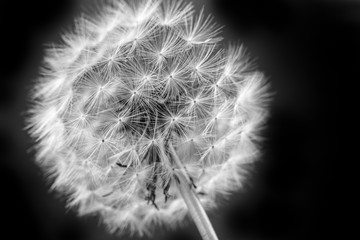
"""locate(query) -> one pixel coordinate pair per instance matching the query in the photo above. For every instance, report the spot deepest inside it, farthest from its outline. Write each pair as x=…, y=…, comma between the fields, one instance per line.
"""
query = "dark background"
x=308, y=49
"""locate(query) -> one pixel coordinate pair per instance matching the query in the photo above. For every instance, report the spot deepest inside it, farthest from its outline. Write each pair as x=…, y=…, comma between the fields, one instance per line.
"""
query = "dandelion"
x=141, y=116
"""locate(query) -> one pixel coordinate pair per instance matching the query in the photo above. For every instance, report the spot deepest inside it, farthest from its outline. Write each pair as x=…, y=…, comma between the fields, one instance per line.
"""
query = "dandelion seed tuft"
x=136, y=97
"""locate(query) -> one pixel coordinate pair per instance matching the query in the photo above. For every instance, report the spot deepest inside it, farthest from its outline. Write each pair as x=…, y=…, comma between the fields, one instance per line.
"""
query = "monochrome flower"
x=139, y=98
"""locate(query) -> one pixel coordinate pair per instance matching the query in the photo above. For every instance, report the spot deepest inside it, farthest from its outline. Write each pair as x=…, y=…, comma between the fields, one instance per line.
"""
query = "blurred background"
x=306, y=49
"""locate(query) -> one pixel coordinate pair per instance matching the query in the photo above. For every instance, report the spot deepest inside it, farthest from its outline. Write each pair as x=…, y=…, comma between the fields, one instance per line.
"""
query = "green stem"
x=192, y=201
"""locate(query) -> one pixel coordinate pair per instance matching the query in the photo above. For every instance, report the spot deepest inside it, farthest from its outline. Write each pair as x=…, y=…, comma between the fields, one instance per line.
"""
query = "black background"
x=308, y=50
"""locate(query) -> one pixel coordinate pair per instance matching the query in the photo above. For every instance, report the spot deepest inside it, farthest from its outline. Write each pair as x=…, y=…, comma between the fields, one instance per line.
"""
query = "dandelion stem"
x=197, y=212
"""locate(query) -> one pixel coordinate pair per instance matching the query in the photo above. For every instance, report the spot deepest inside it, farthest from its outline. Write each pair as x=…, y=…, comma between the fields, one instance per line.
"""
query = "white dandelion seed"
x=142, y=117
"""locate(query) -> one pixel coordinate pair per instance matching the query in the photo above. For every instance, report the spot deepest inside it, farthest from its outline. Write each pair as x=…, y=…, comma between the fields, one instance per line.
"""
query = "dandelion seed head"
x=122, y=88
